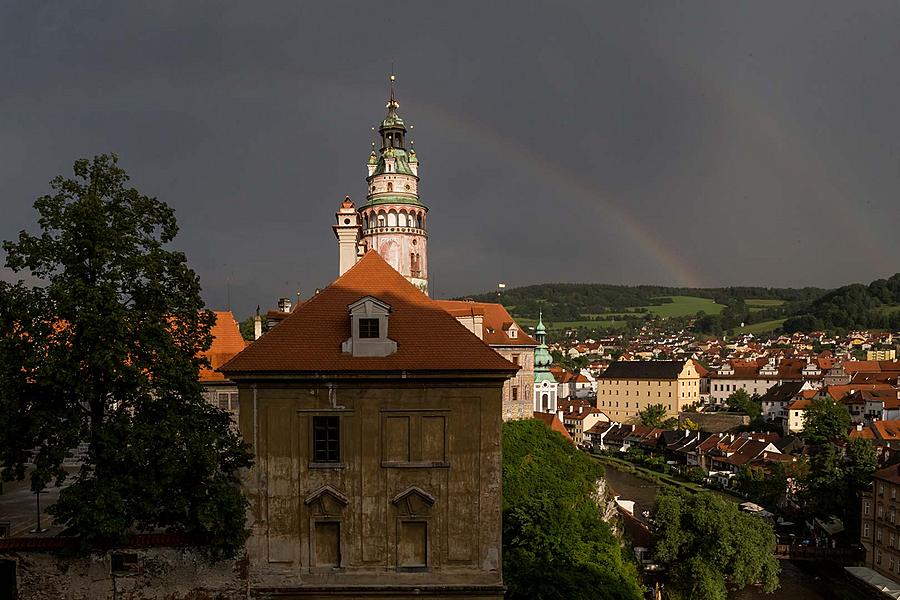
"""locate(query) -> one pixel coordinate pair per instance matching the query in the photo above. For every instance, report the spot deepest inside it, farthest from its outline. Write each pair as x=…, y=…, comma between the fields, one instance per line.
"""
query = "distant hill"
x=577, y=301
x=601, y=306
x=856, y=306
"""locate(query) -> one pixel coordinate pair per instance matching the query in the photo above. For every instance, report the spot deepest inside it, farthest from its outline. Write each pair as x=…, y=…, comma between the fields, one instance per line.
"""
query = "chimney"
x=859, y=426
x=284, y=305
x=257, y=325
x=580, y=410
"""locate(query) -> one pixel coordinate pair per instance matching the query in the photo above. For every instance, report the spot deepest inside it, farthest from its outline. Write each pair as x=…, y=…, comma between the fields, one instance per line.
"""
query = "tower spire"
x=392, y=101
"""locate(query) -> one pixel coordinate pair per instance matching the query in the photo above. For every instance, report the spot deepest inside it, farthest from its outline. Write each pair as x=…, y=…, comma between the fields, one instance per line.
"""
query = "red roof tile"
x=309, y=339
x=227, y=342
x=553, y=422
x=497, y=321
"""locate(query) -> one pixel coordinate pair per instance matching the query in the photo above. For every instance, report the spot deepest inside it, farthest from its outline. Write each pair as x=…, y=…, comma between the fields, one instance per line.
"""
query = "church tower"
x=392, y=218
x=544, y=382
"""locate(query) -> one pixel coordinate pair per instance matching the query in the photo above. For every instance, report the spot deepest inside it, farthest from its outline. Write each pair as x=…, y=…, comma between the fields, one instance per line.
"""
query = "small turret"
x=347, y=230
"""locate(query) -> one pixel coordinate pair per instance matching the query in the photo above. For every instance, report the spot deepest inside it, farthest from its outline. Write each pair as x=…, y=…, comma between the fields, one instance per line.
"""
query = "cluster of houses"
x=720, y=455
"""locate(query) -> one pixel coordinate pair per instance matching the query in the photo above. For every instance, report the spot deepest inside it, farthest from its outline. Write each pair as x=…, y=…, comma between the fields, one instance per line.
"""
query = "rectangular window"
x=368, y=329
x=866, y=530
x=515, y=359
x=515, y=394
x=327, y=439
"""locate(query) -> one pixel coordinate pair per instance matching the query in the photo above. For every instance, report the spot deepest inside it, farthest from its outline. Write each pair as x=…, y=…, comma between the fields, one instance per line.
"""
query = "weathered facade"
x=377, y=446
x=159, y=566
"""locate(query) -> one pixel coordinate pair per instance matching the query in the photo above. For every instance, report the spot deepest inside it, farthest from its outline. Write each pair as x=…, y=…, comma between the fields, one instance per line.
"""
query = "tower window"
x=368, y=329
x=390, y=187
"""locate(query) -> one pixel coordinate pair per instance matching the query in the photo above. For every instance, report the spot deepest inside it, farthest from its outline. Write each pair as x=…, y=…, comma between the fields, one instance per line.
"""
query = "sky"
x=689, y=143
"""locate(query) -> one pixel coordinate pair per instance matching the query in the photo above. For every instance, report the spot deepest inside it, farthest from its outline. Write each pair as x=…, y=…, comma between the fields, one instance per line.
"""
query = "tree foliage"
x=741, y=401
x=836, y=474
x=104, y=351
x=706, y=543
x=652, y=416
x=825, y=421
x=853, y=306
x=555, y=544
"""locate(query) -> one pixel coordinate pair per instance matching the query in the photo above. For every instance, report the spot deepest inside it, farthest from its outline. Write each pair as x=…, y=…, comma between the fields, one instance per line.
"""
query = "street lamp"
x=38, y=528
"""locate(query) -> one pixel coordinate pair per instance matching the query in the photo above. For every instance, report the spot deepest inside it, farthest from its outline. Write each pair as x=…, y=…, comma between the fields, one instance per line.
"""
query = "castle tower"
x=346, y=230
x=393, y=219
x=544, y=382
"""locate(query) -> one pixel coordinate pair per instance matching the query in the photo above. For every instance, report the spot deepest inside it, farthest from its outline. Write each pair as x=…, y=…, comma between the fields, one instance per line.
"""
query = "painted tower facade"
x=393, y=221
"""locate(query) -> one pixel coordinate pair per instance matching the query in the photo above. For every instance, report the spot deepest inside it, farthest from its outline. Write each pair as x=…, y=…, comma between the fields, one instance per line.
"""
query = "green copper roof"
x=540, y=329
x=394, y=200
x=401, y=162
x=393, y=121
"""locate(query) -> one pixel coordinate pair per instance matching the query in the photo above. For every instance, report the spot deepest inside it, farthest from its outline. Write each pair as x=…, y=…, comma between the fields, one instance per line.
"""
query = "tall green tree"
x=741, y=401
x=706, y=543
x=104, y=350
x=555, y=544
x=652, y=416
x=825, y=421
x=836, y=475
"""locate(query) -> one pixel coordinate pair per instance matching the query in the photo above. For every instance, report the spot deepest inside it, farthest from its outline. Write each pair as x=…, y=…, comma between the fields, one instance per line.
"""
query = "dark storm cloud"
x=699, y=143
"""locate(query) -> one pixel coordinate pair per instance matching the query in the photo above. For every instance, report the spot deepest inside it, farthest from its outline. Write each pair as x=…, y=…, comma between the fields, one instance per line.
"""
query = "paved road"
x=19, y=508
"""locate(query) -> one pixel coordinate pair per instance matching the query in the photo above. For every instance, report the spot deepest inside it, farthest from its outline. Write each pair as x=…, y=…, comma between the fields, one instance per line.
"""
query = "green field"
x=763, y=302
x=686, y=306
x=681, y=306
x=756, y=304
x=762, y=327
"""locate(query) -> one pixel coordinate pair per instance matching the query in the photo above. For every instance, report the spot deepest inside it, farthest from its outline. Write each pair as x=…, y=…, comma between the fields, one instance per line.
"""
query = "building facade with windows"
x=880, y=523
x=374, y=417
x=496, y=327
x=629, y=386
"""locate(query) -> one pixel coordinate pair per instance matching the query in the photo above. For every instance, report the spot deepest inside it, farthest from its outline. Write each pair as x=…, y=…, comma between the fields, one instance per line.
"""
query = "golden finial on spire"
x=392, y=102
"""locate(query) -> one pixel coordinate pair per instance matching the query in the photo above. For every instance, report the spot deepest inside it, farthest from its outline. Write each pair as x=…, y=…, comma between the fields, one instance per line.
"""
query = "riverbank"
x=660, y=478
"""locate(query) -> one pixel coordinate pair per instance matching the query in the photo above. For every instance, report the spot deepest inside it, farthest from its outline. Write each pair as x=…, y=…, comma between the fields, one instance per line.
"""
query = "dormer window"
x=513, y=333
x=369, y=329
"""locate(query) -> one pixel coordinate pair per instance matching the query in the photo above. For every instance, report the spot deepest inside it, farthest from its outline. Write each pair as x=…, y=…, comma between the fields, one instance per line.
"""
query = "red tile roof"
x=887, y=430
x=497, y=321
x=553, y=422
x=309, y=339
x=227, y=342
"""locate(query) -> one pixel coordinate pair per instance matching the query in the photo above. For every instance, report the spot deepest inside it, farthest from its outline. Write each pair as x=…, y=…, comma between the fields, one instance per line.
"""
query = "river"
x=799, y=580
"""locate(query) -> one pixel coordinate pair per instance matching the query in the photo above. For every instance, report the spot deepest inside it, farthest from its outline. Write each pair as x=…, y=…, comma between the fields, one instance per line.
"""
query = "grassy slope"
x=762, y=327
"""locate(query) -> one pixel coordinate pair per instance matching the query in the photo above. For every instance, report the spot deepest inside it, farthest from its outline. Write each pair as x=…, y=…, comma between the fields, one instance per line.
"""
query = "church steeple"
x=544, y=381
x=392, y=129
x=393, y=219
